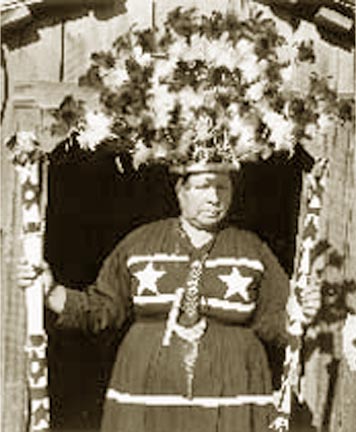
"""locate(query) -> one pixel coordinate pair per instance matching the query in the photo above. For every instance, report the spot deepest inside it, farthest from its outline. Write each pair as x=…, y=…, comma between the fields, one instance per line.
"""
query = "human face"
x=204, y=198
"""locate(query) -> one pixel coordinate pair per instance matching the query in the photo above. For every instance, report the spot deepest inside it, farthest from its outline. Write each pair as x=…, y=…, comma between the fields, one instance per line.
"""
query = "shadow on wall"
x=335, y=20
x=26, y=30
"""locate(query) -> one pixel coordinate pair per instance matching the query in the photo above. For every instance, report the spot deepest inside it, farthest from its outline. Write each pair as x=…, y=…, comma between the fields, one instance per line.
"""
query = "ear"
x=179, y=184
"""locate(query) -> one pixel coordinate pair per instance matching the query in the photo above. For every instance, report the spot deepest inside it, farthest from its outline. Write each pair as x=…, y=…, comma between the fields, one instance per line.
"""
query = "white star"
x=148, y=278
x=236, y=283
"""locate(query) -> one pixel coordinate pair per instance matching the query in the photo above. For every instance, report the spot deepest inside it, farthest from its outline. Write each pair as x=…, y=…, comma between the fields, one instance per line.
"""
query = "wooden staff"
x=305, y=278
x=27, y=159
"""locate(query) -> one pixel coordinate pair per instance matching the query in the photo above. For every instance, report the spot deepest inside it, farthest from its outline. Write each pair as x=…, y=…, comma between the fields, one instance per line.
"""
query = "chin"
x=210, y=223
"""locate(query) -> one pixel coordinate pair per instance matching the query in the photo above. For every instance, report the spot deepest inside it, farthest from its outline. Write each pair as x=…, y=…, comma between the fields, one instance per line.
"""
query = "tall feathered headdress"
x=201, y=89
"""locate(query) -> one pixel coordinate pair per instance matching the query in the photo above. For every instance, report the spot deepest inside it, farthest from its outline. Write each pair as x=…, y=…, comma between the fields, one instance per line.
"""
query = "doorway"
x=93, y=202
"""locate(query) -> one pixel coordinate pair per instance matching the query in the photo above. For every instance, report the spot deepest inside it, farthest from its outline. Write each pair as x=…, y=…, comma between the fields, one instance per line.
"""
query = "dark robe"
x=243, y=293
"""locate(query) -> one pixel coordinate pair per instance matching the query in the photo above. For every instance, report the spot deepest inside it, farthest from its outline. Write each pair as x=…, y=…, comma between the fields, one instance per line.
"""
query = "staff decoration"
x=27, y=159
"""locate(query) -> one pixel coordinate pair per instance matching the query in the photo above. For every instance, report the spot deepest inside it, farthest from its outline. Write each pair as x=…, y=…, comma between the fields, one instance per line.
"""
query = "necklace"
x=190, y=305
x=185, y=318
x=191, y=298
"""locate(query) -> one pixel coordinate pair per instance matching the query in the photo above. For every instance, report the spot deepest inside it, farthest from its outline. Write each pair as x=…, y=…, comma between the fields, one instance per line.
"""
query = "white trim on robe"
x=212, y=302
x=178, y=400
x=158, y=257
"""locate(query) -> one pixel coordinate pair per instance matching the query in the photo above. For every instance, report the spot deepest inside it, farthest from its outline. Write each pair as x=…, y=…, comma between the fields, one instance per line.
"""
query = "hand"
x=311, y=302
x=27, y=273
x=56, y=299
x=55, y=295
x=280, y=424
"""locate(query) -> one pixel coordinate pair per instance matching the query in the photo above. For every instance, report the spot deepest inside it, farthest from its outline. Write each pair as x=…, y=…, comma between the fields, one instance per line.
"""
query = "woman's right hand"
x=26, y=274
x=55, y=295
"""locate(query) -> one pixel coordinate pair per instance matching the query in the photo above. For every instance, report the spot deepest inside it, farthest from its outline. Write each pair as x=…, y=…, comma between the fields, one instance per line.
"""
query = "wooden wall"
x=41, y=63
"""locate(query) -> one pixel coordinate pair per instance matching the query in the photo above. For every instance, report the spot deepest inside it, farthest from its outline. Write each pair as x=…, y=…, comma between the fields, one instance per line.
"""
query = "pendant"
x=191, y=299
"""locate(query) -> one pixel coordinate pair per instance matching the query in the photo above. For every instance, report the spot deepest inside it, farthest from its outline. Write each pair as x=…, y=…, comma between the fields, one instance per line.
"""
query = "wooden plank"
x=49, y=94
x=88, y=36
x=38, y=60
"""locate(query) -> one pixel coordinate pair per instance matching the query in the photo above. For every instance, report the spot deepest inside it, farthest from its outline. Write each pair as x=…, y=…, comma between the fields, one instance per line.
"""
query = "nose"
x=213, y=195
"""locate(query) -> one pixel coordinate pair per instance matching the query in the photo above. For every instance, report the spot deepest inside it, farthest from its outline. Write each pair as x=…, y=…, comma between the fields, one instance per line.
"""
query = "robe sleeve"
x=103, y=305
x=269, y=320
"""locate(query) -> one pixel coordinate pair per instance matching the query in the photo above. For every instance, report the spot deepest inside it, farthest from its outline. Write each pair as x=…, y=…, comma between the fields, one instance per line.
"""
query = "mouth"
x=213, y=213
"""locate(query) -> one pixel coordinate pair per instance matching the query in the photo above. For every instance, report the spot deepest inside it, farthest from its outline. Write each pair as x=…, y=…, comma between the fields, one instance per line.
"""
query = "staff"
x=27, y=159
x=305, y=296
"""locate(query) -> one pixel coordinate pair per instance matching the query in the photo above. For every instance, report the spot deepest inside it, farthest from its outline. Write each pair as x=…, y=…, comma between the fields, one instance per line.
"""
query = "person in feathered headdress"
x=202, y=298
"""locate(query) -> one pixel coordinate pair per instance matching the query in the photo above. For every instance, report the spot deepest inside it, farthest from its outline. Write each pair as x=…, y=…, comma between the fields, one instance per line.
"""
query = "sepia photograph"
x=178, y=216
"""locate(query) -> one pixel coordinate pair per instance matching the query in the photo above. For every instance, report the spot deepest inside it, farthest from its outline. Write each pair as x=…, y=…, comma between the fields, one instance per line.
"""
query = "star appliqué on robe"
x=148, y=278
x=236, y=284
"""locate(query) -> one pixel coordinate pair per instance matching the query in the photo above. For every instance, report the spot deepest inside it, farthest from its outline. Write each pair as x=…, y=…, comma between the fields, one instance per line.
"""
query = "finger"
x=311, y=310
x=311, y=300
x=45, y=266
x=23, y=264
x=311, y=296
x=24, y=283
x=25, y=272
x=311, y=290
x=311, y=293
x=310, y=306
x=26, y=266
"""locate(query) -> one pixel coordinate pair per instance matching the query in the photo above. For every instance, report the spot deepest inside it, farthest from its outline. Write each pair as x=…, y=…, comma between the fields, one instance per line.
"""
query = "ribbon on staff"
x=27, y=159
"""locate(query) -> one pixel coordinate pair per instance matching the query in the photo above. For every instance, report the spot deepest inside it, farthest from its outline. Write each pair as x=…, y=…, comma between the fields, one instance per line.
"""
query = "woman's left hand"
x=311, y=302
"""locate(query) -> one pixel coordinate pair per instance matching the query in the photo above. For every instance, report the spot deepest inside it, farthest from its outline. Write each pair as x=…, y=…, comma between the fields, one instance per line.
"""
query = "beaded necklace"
x=185, y=318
